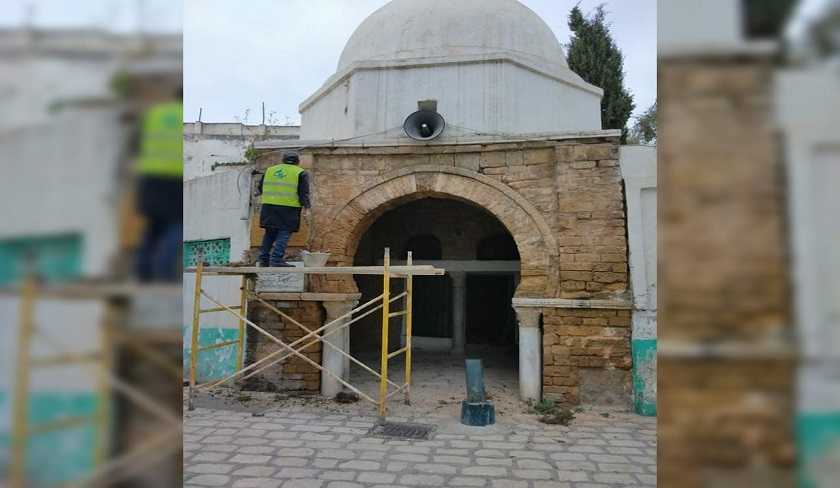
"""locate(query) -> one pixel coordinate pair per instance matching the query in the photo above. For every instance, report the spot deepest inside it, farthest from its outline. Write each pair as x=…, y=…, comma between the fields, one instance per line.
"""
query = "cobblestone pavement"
x=306, y=446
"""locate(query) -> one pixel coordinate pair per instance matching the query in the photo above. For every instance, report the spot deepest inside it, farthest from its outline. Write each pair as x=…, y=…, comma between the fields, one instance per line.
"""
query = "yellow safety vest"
x=280, y=185
x=162, y=142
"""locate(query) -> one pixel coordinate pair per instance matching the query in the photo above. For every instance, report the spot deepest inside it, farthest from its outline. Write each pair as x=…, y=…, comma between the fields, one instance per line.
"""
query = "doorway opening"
x=466, y=313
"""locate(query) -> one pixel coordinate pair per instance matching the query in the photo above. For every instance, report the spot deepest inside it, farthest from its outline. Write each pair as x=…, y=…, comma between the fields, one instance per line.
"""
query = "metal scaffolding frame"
x=101, y=363
x=295, y=349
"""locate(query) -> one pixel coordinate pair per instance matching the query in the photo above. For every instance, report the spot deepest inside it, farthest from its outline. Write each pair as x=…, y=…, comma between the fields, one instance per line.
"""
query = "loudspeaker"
x=424, y=125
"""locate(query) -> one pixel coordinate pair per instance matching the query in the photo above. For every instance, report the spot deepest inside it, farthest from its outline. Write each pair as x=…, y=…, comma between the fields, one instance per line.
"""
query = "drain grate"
x=402, y=430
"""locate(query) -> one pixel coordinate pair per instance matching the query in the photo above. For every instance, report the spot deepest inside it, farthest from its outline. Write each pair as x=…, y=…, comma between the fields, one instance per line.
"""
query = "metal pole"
x=20, y=407
x=243, y=309
x=386, y=295
x=196, y=328
x=408, y=324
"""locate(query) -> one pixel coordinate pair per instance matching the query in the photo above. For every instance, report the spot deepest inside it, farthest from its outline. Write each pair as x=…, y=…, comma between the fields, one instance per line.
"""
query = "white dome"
x=429, y=29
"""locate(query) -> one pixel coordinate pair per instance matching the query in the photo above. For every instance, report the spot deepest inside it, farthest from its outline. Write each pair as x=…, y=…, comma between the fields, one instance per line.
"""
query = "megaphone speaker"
x=424, y=125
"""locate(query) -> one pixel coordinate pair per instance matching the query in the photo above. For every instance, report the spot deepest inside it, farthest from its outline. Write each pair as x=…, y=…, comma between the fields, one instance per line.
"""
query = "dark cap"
x=291, y=157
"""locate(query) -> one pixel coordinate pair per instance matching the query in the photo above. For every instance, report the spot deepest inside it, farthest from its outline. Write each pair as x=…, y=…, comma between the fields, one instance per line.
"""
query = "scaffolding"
x=295, y=348
x=101, y=363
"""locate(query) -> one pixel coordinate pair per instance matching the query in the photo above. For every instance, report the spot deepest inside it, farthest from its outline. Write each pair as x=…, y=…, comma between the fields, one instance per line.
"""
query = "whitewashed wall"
x=64, y=181
x=638, y=168
x=211, y=148
x=494, y=97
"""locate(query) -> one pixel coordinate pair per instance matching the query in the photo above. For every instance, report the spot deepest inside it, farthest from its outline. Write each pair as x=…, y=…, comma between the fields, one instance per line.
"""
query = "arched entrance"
x=514, y=229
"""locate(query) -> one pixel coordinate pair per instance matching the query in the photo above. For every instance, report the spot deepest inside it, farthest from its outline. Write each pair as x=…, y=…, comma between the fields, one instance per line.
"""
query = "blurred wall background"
x=748, y=384
x=71, y=97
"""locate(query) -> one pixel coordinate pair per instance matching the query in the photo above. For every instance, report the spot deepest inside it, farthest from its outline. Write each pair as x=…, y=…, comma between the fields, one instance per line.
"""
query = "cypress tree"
x=593, y=54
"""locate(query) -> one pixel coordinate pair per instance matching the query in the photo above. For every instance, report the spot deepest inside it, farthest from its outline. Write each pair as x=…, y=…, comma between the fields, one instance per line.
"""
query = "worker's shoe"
x=262, y=265
x=282, y=264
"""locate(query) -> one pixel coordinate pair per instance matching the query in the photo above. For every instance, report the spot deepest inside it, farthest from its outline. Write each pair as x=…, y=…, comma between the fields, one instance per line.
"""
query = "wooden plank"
x=424, y=270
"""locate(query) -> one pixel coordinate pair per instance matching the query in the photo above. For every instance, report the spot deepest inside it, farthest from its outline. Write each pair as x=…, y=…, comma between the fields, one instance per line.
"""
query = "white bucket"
x=315, y=259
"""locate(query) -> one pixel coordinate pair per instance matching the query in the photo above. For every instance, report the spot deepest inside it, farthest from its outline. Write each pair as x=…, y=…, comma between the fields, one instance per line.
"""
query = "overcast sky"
x=239, y=54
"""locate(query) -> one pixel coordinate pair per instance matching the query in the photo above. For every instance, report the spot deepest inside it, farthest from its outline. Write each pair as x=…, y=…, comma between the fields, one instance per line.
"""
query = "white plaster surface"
x=638, y=168
x=75, y=155
x=688, y=25
x=212, y=148
x=812, y=145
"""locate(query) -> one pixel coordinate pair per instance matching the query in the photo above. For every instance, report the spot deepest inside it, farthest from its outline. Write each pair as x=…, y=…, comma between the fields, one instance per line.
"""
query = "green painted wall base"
x=61, y=456
x=818, y=439
x=216, y=363
x=644, y=376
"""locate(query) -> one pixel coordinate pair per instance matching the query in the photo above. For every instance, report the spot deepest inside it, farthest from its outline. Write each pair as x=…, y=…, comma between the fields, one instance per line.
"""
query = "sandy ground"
x=439, y=386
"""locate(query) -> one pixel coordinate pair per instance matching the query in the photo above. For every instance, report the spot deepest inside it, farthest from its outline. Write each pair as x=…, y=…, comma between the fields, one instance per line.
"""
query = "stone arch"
x=529, y=229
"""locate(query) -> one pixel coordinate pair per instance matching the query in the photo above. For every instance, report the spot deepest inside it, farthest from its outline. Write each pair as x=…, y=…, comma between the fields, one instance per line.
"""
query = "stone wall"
x=586, y=356
x=725, y=339
x=294, y=373
x=561, y=200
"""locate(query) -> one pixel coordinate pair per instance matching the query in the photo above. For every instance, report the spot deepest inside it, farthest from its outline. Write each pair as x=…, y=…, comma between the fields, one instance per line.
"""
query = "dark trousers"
x=274, y=245
x=158, y=256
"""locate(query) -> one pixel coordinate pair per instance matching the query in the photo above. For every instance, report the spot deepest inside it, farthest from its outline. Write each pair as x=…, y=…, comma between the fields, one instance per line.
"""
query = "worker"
x=159, y=170
x=284, y=191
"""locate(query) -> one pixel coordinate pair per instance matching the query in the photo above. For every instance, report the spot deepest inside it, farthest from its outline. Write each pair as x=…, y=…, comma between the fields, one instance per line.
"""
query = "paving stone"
x=257, y=471
x=360, y=465
x=533, y=464
x=422, y=480
x=218, y=448
x=304, y=483
x=568, y=456
x=376, y=477
x=250, y=441
x=325, y=463
x=209, y=457
x=372, y=455
x=255, y=450
x=435, y=468
x=452, y=459
x=464, y=444
x=295, y=452
x=412, y=458
x=215, y=468
x=338, y=475
x=614, y=478
x=210, y=480
x=334, y=453
x=647, y=478
x=509, y=484
x=396, y=467
x=257, y=483
x=551, y=484
x=571, y=475
x=620, y=468
x=532, y=474
x=607, y=458
x=484, y=471
x=218, y=439
x=527, y=454
x=494, y=461
x=296, y=473
x=490, y=453
x=344, y=484
x=291, y=462
x=467, y=481
x=250, y=459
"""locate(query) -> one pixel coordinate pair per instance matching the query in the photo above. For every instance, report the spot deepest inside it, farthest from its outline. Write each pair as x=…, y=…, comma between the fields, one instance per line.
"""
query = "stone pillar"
x=331, y=359
x=530, y=353
x=459, y=308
